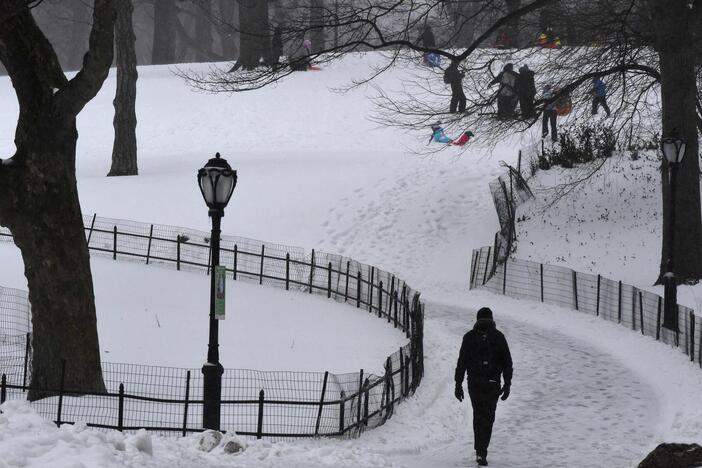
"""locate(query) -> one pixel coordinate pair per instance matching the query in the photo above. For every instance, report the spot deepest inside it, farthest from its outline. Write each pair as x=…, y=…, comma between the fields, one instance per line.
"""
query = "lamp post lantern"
x=217, y=181
x=674, y=151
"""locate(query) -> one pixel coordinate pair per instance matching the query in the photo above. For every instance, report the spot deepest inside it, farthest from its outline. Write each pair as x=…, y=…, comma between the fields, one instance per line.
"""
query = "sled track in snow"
x=273, y=405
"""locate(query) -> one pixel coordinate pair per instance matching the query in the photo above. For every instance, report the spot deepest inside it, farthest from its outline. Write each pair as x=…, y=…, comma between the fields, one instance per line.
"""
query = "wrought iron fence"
x=254, y=403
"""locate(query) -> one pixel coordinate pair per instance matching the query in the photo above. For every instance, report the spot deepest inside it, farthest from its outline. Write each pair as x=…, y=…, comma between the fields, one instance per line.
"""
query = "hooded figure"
x=454, y=77
x=484, y=358
x=507, y=94
x=550, y=113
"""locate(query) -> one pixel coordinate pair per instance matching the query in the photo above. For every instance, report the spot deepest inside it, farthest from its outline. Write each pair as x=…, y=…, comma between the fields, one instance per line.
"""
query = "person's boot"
x=481, y=460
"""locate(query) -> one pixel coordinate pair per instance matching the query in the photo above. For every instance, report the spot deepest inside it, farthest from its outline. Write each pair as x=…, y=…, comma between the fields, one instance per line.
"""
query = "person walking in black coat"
x=427, y=40
x=454, y=77
x=527, y=91
x=484, y=357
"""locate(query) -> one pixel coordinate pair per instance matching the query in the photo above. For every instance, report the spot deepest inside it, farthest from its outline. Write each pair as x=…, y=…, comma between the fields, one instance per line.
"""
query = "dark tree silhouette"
x=39, y=197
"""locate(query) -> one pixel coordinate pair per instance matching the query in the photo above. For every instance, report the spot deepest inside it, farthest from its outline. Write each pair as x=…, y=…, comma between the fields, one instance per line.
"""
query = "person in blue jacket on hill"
x=599, y=96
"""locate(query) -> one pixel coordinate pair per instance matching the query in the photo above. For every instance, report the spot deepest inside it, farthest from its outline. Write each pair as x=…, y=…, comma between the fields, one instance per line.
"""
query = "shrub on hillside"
x=579, y=144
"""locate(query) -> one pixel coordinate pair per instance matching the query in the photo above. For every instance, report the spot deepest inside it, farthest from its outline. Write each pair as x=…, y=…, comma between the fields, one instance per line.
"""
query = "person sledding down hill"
x=548, y=40
x=439, y=136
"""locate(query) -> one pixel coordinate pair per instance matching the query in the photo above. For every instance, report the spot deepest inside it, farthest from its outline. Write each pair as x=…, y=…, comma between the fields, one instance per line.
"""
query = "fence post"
x=360, y=394
x=321, y=403
x=389, y=300
x=699, y=358
x=402, y=373
x=619, y=306
x=541, y=274
x=658, y=320
x=342, y=410
x=346, y=288
x=311, y=270
x=633, y=309
x=358, y=289
x=370, y=290
x=236, y=259
x=366, y=395
x=263, y=255
x=3, y=389
x=92, y=225
x=259, y=430
x=504, y=276
x=329, y=272
x=487, y=260
x=187, y=402
x=519, y=163
x=575, y=289
x=641, y=312
x=287, y=271
x=473, y=266
x=114, y=243
x=599, y=280
x=692, y=336
x=178, y=254
x=380, y=298
x=148, y=248
x=120, y=409
x=26, y=361
x=394, y=303
x=60, y=400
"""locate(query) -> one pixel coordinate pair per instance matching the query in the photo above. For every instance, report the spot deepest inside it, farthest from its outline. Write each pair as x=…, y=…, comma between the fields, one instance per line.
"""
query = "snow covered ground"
x=313, y=171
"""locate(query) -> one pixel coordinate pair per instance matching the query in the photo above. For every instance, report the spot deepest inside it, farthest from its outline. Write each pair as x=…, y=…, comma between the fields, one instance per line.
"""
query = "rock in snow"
x=142, y=442
x=209, y=440
x=673, y=456
x=233, y=444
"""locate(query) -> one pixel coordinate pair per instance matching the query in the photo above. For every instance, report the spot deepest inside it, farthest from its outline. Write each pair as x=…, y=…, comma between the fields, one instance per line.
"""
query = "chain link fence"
x=274, y=405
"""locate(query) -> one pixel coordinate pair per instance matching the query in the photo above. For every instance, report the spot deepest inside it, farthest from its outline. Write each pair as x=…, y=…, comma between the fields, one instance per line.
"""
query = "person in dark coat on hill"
x=507, y=95
x=427, y=40
x=484, y=357
x=527, y=91
x=454, y=77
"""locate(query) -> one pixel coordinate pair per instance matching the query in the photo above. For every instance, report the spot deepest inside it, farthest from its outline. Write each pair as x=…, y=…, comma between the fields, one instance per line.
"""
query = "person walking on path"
x=550, y=113
x=507, y=95
x=599, y=96
x=454, y=77
x=484, y=357
x=527, y=91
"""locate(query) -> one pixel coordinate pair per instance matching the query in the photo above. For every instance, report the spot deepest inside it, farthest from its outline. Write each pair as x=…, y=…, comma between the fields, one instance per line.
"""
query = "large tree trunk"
x=317, y=25
x=124, y=149
x=165, y=17
x=203, y=30
x=678, y=95
x=463, y=23
x=254, y=32
x=39, y=197
x=226, y=28
x=513, y=25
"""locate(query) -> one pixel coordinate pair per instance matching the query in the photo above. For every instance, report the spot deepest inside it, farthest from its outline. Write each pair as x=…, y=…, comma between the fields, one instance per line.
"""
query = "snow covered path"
x=572, y=404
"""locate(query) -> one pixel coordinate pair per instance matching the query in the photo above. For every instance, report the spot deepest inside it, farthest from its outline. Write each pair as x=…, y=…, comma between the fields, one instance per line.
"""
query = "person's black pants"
x=526, y=104
x=458, y=99
x=598, y=101
x=483, y=397
x=506, y=105
x=550, y=116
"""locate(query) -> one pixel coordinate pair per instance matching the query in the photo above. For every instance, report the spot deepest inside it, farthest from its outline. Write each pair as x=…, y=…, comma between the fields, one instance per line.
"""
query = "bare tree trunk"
x=462, y=22
x=513, y=26
x=124, y=149
x=678, y=96
x=165, y=17
x=39, y=196
x=317, y=25
x=255, y=33
x=227, y=29
x=203, y=30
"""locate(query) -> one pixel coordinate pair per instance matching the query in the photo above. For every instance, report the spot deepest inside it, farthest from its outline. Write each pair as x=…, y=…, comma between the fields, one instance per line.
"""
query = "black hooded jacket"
x=500, y=359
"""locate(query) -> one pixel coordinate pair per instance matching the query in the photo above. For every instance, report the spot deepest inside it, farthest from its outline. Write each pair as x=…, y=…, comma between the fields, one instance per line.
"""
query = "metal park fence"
x=276, y=404
x=612, y=300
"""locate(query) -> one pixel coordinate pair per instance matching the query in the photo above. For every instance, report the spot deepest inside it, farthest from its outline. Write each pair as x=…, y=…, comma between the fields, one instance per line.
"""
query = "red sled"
x=463, y=139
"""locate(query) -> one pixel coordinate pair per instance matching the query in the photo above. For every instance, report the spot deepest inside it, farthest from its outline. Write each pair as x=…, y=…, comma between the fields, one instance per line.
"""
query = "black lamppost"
x=217, y=181
x=674, y=151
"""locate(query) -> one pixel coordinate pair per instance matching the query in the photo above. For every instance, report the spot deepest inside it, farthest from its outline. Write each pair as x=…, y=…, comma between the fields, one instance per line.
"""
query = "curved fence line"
x=596, y=295
x=274, y=404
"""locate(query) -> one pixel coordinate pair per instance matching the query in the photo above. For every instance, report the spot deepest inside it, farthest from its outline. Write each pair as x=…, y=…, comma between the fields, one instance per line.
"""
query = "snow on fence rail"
x=254, y=403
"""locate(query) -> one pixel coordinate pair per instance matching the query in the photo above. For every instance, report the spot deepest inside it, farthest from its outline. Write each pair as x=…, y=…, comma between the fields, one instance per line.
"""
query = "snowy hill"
x=315, y=171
